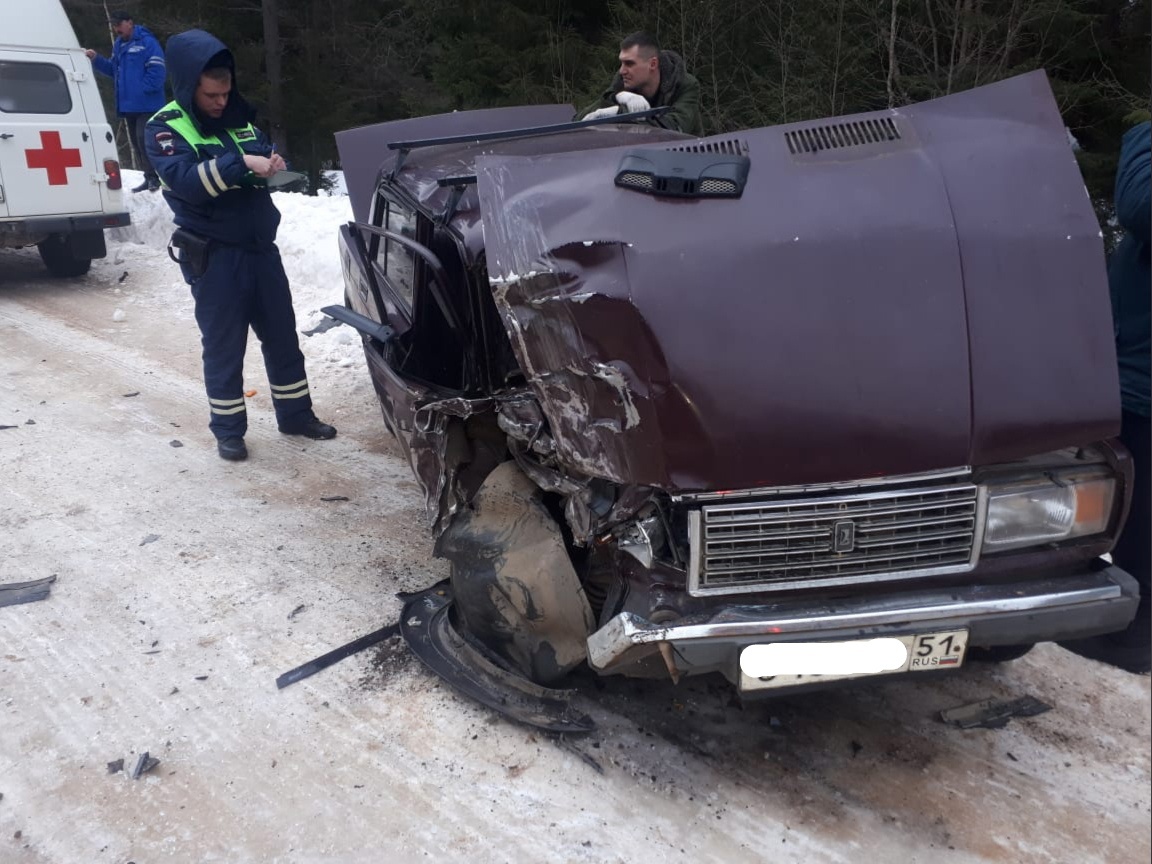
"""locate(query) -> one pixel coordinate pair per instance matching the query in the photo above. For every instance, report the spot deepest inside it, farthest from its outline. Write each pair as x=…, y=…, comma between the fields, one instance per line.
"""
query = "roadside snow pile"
x=309, y=228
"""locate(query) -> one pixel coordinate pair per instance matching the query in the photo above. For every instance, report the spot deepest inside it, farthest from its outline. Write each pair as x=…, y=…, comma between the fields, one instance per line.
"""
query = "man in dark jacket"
x=651, y=78
x=137, y=68
x=214, y=166
x=1130, y=283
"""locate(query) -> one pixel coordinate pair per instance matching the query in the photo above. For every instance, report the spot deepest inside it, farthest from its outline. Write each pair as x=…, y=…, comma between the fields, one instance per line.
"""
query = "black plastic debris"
x=151, y=538
x=14, y=593
x=29, y=422
x=130, y=395
x=123, y=276
x=115, y=766
x=993, y=713
x=335, y=498
x=175, y=443
x=297, y=611
x=336, y=655
x=9, y=427
x=144, y=764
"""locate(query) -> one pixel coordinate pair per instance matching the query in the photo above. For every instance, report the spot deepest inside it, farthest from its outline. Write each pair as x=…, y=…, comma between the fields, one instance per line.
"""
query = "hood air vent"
x=729, y=147
x=835, y=136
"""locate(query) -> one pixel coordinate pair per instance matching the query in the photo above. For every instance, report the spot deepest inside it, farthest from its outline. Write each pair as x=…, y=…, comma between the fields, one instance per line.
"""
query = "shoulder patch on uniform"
x=167, y=145
x=245, y=135
x=171, y=114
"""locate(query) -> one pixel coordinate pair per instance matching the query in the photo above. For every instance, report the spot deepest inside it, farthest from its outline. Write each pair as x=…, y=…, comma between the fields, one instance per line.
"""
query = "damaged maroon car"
x=824, y=401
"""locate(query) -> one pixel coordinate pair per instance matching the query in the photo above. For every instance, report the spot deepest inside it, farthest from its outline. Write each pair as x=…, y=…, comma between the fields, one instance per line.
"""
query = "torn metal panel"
x=802, y=320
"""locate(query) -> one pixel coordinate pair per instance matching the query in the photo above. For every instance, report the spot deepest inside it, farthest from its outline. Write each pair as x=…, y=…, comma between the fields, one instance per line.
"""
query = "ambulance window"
x=33, y=88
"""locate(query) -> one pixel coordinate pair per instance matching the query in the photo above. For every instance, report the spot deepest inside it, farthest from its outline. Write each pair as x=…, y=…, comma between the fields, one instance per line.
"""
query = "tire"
x=998, y=653
x=56, y=253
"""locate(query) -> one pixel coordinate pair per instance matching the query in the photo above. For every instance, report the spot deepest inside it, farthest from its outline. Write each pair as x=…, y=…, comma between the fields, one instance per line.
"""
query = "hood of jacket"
x=189, y=54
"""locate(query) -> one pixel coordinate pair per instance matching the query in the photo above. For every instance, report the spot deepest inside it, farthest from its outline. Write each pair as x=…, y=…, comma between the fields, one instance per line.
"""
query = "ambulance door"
x=46, y=148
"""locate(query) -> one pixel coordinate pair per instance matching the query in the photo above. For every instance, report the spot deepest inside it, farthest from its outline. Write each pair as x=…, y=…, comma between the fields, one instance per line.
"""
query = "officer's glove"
x=602, y=112
x=630, y=102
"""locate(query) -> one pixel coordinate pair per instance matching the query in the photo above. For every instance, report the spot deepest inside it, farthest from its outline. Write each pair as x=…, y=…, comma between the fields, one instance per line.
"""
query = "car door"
x=46, y=146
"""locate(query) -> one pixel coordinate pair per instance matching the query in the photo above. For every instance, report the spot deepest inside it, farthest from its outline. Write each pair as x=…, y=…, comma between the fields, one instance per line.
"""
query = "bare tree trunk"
x=836, y=56
x=892, y=57
x=271, y=12
x=935, y=39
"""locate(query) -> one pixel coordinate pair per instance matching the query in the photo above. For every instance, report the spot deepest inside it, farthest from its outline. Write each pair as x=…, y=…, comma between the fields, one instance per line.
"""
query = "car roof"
x=418, y=155
x=425, y=169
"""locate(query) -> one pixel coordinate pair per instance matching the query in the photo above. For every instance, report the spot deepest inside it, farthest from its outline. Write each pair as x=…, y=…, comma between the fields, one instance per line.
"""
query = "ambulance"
x=60, y=182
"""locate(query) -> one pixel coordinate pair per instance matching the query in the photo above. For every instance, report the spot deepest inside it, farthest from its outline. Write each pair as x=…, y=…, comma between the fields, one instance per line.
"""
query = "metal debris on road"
x=993, y=713
x=115, y=766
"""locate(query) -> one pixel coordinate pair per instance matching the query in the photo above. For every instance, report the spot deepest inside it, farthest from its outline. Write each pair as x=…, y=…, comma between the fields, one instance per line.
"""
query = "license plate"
x=788, y=664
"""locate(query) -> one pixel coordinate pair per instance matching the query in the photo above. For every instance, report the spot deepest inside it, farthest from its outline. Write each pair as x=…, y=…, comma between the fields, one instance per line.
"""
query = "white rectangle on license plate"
x=788, y=664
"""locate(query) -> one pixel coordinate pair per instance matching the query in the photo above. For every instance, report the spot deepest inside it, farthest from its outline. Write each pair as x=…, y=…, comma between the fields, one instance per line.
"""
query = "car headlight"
x=1047, y=509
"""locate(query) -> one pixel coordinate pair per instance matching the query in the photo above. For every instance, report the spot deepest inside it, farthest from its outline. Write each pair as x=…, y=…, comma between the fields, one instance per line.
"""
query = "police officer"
x=214, y=166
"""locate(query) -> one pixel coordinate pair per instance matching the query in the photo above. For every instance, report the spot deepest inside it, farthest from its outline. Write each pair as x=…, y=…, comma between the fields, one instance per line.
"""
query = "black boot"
x=232, y=449
x=310, y=427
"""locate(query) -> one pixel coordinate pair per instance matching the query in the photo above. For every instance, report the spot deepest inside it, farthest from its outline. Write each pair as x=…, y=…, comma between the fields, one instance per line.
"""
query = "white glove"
x=630, y=102
x=603, y=112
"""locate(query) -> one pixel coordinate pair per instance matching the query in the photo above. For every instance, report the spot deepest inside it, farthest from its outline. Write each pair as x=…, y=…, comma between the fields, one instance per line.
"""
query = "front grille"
x=891, y=534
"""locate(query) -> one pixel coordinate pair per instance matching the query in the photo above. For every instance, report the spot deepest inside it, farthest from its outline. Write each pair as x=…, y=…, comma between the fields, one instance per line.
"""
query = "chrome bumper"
x=1013, y=614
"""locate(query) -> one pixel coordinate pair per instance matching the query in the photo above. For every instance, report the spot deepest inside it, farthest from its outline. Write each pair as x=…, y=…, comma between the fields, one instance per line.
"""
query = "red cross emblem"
x=54, y=158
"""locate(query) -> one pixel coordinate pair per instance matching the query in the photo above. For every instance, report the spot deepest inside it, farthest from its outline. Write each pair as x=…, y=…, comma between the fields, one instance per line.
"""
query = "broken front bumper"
x=1019, y=613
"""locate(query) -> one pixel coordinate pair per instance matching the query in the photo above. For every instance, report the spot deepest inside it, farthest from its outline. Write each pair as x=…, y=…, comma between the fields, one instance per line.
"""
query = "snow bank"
x=307, y=238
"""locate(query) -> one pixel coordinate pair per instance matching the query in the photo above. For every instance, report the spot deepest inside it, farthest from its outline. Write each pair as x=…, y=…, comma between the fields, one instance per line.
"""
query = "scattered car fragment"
x=672, y=400
x=15, y=593
x=144, y=764
x=993, y=713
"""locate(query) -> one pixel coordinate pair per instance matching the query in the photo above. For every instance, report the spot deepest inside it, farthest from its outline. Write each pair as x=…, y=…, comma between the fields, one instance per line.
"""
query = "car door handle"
x=6, y=135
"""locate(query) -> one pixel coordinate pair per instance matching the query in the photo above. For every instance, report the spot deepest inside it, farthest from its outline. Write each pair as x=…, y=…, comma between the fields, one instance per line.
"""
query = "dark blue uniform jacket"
x=207, y=185
x=1129, y=274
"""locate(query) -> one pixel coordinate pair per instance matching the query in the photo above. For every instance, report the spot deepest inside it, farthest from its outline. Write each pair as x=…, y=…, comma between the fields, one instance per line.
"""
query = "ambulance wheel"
x=57, y=255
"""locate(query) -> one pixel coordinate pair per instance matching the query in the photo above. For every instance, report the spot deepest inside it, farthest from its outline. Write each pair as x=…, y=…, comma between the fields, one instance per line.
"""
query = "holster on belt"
x=194, y=250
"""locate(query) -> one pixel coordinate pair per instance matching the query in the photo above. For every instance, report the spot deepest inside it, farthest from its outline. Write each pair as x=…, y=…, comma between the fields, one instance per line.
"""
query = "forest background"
x=314, y=67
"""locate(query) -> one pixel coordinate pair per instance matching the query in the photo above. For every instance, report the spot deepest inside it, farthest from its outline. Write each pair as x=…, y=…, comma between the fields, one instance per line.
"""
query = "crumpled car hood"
x=905, y=291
